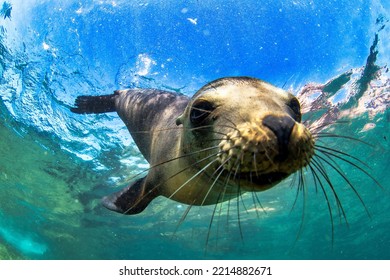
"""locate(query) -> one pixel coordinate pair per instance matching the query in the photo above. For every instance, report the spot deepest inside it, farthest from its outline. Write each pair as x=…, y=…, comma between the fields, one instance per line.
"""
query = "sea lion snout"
x=282, y=127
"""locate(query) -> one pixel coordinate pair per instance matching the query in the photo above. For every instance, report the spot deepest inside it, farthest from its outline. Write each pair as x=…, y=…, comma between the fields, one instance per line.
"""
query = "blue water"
x=55, y=166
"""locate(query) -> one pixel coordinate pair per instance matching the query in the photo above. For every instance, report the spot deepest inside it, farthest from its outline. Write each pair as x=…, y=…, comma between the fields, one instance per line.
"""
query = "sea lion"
x=235, y=135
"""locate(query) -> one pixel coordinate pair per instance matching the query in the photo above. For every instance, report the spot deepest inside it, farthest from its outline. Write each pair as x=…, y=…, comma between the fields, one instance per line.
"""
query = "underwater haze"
x=56, y=166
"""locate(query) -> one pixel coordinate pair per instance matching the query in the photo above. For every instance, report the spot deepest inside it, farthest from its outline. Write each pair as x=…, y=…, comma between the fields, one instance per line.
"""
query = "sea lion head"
x=245, y=132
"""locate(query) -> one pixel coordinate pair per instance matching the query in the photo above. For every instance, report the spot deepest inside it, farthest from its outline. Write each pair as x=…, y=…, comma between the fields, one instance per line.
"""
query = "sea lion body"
x=150, y=116
x=234, y=135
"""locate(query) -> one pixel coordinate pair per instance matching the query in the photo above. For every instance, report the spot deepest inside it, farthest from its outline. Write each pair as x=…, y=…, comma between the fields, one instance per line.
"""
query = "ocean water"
x=55, y=166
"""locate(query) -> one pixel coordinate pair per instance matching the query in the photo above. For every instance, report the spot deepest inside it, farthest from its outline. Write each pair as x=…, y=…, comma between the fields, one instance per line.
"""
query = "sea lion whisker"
x=210, y=223
x=187, y=149
x=255, y=164
x=302, y=178
x=219, y=199
x=156, y=130
x=226, y=183
x=299, y=188
x=331, y=135
x=169, y=178
x=212, y=186
x=220, y=171
x=213, y=115
x=215, y=180
x=238, y=209
x=342, y=174
x=194, y=176
x=239, y=189
x=254, y=196
x=321, y=169
x=220, y=133
x=163, y=129
x=190, y=206
x=267, y=153
x=331, y=153
x=221, y=196
x=208, y=126
x=228, y=213
x=220, y=167
x=211, y=126
x=183, y=156
x=238, y=165
x=293, y=180
x=234, y=126
x=336, y=164
x=183, y=217
x=319, y=166
x=170, y=160
x=221, y=205
x=211, y=140
x=303, y=189
x=318, y=181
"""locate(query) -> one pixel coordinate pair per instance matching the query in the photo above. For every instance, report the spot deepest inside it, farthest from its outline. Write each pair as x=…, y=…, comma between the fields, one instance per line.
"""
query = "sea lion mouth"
x=265, y=179
x=254, y=182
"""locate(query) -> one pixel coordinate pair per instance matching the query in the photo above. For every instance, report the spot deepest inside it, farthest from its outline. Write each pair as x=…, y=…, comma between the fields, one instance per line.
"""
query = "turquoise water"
x=55, y=166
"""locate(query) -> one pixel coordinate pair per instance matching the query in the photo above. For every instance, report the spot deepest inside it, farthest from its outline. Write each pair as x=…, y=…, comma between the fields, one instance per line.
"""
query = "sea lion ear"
x=179, y=120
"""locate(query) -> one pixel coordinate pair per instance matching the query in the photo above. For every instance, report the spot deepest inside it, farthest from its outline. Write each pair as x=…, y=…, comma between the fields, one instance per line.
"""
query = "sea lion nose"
x=282, y=127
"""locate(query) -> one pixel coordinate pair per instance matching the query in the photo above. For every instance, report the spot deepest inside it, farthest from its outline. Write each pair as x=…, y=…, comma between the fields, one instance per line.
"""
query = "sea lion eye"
x=295, y=107
x=200, y=112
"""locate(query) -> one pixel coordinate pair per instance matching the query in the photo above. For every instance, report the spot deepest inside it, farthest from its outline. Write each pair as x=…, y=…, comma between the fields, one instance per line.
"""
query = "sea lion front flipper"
x=85, y=104
x=130, y=200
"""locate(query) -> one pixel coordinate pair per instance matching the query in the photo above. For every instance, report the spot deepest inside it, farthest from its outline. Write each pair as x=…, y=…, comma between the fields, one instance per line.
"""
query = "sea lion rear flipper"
x=130, y=200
